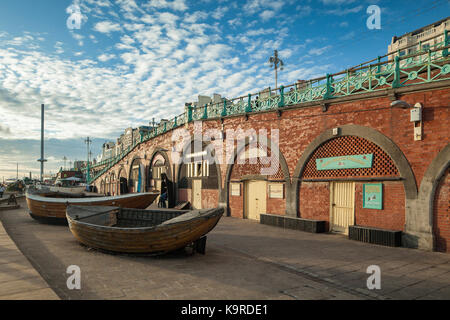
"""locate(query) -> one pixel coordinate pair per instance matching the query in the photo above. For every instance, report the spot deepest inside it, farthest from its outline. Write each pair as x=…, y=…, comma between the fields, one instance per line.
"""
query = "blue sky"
x=132, y=60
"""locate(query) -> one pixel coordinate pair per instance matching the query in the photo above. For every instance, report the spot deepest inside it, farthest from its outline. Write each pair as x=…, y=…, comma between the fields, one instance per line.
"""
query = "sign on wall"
x=373, y=196
x=236, y=189
x=276, y=191
x=345, y=162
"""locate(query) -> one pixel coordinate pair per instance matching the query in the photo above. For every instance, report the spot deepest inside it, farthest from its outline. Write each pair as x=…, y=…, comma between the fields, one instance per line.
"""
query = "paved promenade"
x=18, y=279
x=244, y=260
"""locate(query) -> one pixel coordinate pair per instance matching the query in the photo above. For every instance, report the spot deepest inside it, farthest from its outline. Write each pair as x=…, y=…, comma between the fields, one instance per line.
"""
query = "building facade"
x=422, y=39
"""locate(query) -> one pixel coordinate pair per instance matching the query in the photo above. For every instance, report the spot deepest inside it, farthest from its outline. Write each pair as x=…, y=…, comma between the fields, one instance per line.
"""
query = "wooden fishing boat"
x=51, y=207
x=140, y=231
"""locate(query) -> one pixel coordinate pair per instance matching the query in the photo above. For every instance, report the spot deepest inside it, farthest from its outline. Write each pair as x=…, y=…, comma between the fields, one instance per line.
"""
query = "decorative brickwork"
x=382, y=165
x=251, y=168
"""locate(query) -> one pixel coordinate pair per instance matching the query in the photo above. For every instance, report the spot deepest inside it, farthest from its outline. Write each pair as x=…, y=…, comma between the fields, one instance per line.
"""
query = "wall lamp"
x=415, y=116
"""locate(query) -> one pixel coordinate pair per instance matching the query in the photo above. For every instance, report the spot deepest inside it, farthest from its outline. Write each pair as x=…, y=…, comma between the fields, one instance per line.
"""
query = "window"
x=197, y=169
x=402, y=53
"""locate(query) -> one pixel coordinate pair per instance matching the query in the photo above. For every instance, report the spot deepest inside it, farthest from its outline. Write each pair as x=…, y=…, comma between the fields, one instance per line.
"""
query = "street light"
x=274, y=63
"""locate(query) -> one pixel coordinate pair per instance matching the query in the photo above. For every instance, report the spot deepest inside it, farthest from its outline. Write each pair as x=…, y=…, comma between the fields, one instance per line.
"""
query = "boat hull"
x=158, y=239
x=53, y=210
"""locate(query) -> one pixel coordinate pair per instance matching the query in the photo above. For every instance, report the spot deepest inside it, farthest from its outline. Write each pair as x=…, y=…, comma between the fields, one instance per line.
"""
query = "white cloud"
x=106, y=57
x=107, y=27
x=319, y=51
x=267, y=14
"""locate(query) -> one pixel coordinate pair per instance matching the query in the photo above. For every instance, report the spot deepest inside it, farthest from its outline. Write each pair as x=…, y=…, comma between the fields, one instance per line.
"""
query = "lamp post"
x=276, y=62
x=88, y=178
x=42, y=160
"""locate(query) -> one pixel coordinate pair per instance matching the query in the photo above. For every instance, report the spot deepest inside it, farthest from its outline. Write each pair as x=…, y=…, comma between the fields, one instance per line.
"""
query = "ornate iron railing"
x=424, y=66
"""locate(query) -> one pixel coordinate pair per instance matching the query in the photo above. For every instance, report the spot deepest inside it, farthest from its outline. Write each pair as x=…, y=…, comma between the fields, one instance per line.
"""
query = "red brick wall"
x=184, y=195
x=237, y=204
x=210, y=198
x=276, y=206
x=441, y=215
x=315, y=201
x=392, y=217
x=299, y=127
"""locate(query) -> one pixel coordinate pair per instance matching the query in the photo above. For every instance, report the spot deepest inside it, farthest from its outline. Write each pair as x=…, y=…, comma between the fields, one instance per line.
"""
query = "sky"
x=129, y=61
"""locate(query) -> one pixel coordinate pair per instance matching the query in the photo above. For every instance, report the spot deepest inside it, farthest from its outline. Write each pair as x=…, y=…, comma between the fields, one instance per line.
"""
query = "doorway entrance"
x=255, y=199
x=342, y=206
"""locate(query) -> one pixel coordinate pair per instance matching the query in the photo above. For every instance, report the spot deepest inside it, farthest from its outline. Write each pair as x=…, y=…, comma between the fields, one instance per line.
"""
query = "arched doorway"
x=113, y=184
x=198, y=176
x=136, y=180
x=257, y=181
x=108, y=185
x=349, y=180
x=122, y=181
x=102, y=187
x=158, y=165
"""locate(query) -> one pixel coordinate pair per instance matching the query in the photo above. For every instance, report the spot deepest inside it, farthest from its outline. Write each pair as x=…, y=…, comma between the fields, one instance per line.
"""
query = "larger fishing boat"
x=47, y=206
x=141, y=231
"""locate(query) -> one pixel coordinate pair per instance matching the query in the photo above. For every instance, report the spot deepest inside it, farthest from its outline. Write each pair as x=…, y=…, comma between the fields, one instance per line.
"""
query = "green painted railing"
x=424, y=66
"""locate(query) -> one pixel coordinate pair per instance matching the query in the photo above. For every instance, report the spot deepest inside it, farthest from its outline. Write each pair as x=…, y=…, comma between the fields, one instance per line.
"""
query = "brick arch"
x=163, y=153
x=130, y=171
x=367, y=133
x=102, y=186
x=283, y=164
x=422, y=223
x=204, y=145
x=113, y=182
x=374, y=136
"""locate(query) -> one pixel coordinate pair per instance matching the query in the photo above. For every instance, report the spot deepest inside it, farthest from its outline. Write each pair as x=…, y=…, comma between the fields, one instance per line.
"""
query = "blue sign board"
x=373, y=196
x=345, y=162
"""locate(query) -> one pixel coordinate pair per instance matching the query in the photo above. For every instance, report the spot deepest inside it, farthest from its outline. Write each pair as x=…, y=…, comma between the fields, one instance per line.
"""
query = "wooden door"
x=342, y=206
x=255, y=199
x=197, y=193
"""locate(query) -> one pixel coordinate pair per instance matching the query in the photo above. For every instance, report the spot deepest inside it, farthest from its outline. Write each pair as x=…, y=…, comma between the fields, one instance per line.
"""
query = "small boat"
x=51, y=207
x=141, y=231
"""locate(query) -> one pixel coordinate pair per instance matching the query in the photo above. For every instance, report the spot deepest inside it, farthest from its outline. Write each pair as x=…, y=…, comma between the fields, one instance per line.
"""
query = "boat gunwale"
x=38, y=198
x=217, y=213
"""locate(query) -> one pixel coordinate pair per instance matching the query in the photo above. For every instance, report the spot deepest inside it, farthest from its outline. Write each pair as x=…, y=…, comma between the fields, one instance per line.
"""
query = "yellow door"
x=197, y=194
x=255, y=199
x=342, y=206
x=158, y=185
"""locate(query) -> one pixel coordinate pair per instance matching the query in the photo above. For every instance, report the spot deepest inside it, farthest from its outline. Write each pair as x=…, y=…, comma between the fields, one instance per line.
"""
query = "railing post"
x=189, y=107
x=379, y=67
x=396, y=82
x=175, y=122
x=224, y=110
x=446, y=42
x=281, y=103
x=329, y=92
x=249, y=105
x=205, y=113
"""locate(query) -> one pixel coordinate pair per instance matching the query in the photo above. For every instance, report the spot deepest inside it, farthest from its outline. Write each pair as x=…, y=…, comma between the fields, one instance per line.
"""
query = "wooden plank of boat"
x=140, y=231
x=51, y=207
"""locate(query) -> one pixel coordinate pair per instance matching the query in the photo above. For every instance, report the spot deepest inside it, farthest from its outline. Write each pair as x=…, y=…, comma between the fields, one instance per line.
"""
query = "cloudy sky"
x=134, y=60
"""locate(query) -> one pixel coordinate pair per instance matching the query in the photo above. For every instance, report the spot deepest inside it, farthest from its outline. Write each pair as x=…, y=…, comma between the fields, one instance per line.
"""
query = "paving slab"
x=18, y=278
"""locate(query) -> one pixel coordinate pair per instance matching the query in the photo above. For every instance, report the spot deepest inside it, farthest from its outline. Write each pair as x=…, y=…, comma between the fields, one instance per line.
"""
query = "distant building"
x=423, y=38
